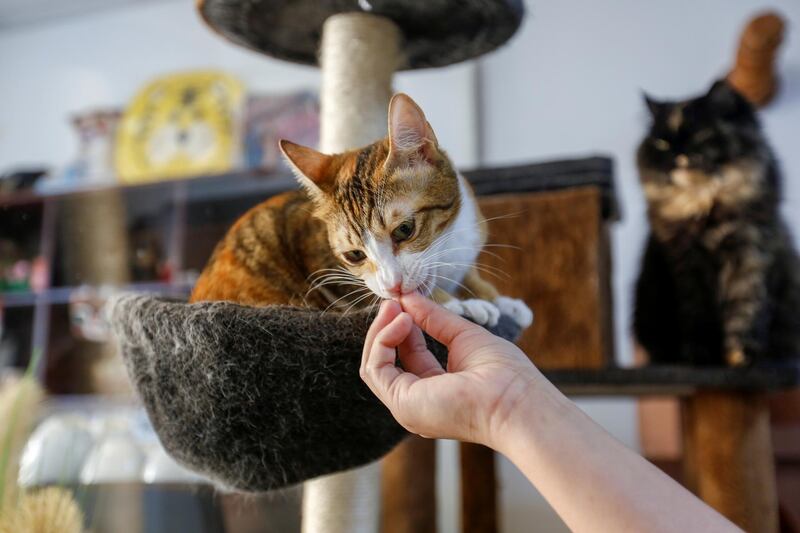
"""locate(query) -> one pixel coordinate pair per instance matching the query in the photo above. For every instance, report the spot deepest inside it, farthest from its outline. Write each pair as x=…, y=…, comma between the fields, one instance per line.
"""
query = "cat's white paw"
x=516, y=309
x=479, y=311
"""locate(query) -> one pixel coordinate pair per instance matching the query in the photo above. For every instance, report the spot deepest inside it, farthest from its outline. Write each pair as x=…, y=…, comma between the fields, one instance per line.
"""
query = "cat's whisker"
x=359, y=299
x=340, y=270
x=492, y=271
x=322, y=285
x=446, y=237
x=333, y=275
x=495, y=245
x=329, y=278
x=375, y=301
x=451, y=280
x=496, y=275
x=452, y=233
x=428, y=286
x=476, y=248
x=332, y=279
x=356, y=291
x=501, y=217
x=448, y=250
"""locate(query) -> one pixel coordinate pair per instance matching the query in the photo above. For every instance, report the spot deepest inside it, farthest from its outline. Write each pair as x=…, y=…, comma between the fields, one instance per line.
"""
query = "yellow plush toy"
x=181, y=125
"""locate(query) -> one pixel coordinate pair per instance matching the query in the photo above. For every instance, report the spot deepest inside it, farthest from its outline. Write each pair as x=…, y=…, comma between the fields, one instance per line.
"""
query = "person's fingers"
x=380, y=371
x=416, y=357
x=389, y=309
x=434, y=319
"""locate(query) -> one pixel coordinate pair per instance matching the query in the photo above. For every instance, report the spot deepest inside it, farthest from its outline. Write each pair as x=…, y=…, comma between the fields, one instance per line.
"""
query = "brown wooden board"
x=408, y=487
x=553, y=250
x=479, y=512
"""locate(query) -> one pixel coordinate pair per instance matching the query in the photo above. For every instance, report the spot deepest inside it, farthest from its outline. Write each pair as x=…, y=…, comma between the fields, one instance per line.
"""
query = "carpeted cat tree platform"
x=259, y=398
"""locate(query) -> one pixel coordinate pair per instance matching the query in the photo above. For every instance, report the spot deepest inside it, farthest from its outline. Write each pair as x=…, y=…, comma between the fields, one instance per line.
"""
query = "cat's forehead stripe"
x=359, y=188
x=675, y=118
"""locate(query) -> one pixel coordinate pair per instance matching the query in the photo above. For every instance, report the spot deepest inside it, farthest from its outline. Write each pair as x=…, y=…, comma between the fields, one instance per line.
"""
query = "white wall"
x=568, y=85
x=49, y=71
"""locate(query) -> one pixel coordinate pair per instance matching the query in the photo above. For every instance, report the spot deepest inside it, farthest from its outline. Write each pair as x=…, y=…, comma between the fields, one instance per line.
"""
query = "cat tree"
x=359, y=45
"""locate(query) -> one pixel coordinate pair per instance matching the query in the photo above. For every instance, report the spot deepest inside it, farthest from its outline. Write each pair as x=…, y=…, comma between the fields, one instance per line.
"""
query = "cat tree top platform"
x=435, y=32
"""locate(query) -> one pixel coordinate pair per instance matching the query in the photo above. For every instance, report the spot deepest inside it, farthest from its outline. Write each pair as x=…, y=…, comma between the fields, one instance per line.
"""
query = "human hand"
x=486, y=376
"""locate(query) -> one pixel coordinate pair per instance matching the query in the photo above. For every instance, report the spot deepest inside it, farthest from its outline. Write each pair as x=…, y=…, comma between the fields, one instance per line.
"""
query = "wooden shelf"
x=553, y=175
x=199, y=187
x=673, y=380
x=166, y=207
x=185, y=218
x=61, y=295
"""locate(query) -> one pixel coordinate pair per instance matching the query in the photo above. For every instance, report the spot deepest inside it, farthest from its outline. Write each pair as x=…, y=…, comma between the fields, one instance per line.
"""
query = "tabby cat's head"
x=388, y=206
x=704, y=135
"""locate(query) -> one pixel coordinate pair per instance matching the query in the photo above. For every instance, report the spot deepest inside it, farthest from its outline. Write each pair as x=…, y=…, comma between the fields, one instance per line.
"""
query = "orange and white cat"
x=369, y=224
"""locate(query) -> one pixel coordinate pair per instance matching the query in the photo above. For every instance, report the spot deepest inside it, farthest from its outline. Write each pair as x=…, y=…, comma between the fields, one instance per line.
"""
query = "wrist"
x=528, y=415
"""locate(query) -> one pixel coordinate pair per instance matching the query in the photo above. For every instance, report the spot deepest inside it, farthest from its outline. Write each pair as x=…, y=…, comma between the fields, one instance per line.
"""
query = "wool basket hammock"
x=257, y=398
x=260, y=398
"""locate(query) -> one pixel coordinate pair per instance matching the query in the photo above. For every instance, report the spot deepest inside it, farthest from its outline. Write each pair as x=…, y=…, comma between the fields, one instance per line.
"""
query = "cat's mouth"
x=421, y=286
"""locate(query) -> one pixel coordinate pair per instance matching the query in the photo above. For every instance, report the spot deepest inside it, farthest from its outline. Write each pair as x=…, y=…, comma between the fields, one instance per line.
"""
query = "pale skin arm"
x=492, y=394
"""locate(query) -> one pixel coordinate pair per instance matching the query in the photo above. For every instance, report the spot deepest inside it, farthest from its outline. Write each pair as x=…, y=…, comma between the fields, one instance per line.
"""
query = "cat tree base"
x=728, y=457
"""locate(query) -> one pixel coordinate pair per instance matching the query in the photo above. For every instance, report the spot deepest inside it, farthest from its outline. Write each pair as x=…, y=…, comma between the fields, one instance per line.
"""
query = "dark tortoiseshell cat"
x=719, y=281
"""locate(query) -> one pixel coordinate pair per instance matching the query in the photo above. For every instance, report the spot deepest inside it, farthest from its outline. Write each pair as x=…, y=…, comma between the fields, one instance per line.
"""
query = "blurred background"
x=567, y=86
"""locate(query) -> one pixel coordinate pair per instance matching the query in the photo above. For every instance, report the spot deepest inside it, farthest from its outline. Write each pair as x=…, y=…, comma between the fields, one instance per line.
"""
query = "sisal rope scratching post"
x=359, y=54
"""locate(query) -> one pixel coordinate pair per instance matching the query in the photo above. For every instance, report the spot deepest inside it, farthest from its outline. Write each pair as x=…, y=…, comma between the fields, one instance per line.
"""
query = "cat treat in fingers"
x=369, y=224
x=720, y=279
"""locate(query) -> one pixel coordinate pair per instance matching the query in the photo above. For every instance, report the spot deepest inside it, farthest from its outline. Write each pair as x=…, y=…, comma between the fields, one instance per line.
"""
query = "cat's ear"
x=653, y=105
x=722, y=93
x=728, y=102
x=309, y=166
x=411, y=138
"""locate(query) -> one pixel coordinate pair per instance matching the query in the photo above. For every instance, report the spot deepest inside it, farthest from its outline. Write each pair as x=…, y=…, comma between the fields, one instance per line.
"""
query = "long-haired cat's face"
x=389, y=206
x=702, y=135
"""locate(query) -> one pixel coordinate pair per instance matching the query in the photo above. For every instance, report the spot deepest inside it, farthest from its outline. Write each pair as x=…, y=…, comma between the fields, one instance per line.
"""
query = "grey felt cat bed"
x=257, y=398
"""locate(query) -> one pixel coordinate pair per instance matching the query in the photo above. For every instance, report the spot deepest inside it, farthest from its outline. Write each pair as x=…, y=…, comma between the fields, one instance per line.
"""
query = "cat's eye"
x=354, y=257
x=661, y=144
x=403, y=232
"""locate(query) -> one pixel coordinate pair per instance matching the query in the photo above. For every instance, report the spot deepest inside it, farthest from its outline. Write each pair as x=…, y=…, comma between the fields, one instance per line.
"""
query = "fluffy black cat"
x=720, y=279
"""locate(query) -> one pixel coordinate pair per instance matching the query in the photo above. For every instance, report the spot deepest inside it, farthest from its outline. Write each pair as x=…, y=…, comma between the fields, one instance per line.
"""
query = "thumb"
x=434, y=319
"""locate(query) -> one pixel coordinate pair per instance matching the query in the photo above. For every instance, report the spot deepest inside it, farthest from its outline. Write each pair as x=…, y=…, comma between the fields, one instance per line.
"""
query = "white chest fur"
x=459, y=249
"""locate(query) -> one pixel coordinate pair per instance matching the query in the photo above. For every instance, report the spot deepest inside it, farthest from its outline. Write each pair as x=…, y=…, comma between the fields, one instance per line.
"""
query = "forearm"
x=593, y=481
